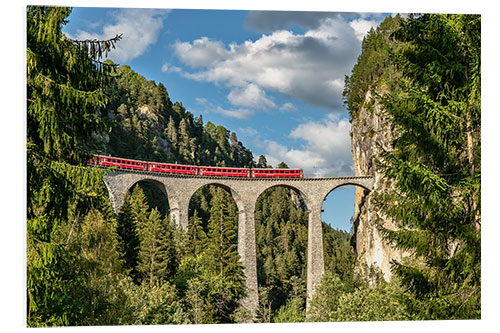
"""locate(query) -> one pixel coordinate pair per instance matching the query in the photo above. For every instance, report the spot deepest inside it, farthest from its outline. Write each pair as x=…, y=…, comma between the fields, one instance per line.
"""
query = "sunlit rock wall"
x=371, y=131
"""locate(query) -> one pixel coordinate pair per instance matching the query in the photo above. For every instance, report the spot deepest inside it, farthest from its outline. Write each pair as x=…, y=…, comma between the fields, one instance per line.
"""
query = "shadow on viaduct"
x=245, y=192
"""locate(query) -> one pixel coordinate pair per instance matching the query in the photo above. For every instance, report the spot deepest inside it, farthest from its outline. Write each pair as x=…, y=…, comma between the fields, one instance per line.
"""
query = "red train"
x=124, y=163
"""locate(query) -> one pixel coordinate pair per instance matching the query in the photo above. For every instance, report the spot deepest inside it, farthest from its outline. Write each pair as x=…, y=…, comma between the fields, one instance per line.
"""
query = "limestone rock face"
x=371, y=130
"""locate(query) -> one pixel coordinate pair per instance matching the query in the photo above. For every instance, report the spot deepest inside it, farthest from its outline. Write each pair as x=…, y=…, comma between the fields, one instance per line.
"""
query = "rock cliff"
x=371, y=131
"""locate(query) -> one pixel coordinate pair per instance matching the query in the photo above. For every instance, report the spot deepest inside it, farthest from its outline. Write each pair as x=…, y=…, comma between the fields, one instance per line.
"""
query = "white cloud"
x=167, y=68
x=325, y=150
x=362, y=27
x=309, y=66
x=250, y=96
x=304, y=159
x=328, y=136
x=202, y=52
x=140, y=29
x=238, y=114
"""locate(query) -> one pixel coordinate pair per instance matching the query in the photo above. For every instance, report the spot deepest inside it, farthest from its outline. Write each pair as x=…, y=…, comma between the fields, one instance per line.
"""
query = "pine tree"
x=435, y=165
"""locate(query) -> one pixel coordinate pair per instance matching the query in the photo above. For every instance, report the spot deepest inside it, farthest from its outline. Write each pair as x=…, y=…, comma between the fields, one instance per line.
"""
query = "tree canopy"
x=435, y=165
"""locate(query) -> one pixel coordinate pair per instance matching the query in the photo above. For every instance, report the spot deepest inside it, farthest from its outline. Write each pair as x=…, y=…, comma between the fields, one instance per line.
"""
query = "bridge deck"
x=172, y=175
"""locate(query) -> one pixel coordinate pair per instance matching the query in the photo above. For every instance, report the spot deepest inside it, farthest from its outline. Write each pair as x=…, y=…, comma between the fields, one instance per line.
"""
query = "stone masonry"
x=245, y=192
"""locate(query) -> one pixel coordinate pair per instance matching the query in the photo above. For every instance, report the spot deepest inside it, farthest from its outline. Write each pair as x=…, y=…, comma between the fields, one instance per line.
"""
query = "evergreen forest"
x=87, y=265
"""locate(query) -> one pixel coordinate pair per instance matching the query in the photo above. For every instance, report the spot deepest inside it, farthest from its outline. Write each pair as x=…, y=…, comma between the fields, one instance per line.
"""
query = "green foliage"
x=223, y=261
x=325, y=302
x=195, y=238
x=156, y=257
x=435, y=165
x=374, y=65
x=336, y=300
x=64, y=90
x=292, y=312
x=339, y=254
x=62, y=76
x=281, y=242
x=425, y=71
x=382, y=303
x=155, y=305
x=210, y=276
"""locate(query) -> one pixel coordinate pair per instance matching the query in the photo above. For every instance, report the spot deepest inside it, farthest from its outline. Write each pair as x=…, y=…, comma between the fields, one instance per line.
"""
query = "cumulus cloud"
x=140, y=29
x=310, y=66
x=305, y=159
x=201, y=52
x=325, y=149
x=250, y=96
x=330, y=135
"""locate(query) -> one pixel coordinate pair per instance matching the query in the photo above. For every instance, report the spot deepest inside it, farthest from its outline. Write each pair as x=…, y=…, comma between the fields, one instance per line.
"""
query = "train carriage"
x=277, y=173
x=122, y=163
x=173, y=168
x=224, y=171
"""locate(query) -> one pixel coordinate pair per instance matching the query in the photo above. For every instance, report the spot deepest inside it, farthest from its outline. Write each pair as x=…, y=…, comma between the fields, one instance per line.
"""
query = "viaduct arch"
x=245, y=192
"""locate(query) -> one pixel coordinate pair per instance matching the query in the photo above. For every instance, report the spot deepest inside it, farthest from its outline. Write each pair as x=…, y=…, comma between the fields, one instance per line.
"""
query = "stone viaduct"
x=245, y=192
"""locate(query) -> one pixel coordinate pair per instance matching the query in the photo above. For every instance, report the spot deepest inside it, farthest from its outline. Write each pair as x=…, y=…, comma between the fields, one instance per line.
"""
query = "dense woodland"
x=87, y=265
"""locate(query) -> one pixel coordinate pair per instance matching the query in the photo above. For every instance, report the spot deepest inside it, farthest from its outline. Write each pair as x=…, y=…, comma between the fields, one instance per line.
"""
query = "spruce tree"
x=156, y=255
x=435, y=165
x=65, y=88
x=195, y=238
x=224, y=266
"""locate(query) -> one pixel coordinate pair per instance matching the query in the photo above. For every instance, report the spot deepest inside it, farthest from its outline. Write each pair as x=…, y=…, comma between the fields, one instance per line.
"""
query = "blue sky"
x=273, y=77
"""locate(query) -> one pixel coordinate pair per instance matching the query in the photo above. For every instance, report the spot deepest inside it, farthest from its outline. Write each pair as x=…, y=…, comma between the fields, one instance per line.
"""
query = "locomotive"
x=123, y=163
